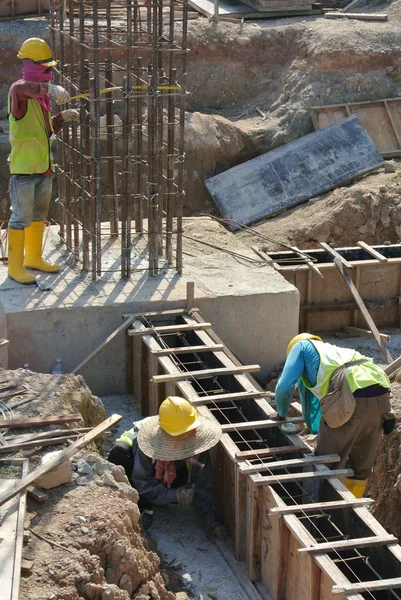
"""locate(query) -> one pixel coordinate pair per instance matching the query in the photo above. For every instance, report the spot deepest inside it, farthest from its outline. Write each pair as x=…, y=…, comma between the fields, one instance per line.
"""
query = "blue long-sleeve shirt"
x=303, y=359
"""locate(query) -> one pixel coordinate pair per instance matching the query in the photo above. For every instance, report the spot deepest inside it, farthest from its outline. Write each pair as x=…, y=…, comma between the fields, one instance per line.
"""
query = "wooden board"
x=321, y=506
x=60, y=458
x=284, y=464
x=328, y=474
x=39, y=421
x=237, y=9
x=205, y=373
x=295, y=172
x=350, y=544
x=381, y=120
x=12, y=532
x=263, y=424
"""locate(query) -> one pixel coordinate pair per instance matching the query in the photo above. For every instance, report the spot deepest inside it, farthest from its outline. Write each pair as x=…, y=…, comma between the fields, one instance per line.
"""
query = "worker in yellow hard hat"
x=31, y=161
x=166, y=459
x=345, y=398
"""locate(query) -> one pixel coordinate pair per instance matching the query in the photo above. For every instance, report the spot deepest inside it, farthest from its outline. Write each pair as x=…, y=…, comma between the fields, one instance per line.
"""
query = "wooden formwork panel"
x=10, y=8
x=378, y=283
x=381, y=119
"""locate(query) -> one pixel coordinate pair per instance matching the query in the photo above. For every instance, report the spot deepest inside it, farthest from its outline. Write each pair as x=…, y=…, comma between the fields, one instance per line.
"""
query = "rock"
x=61, y=474
x=109, y=480
x=101, y=467
x=125, y=583
x=80, y=519
x=390, y=166
x=397, y=484
x=126, y=491
x=91, y=458
x=82, y=481
x=84, y=529
x=118, y=473
x=83, y=468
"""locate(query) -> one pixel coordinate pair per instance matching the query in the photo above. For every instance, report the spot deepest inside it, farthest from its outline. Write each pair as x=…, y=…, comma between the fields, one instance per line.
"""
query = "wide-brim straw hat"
x=159, y=445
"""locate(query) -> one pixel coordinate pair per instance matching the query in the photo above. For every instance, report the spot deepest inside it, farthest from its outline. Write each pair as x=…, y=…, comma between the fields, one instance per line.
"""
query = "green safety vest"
x=359, y=376
x=30, y=143
x=129, y=436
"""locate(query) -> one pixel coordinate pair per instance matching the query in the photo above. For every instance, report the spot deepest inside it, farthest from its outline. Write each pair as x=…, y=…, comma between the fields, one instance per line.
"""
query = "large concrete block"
x=61, y=474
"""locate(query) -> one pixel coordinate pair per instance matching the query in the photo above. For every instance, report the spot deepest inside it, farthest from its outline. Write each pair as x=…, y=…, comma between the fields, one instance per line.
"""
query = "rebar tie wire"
x=278, y=482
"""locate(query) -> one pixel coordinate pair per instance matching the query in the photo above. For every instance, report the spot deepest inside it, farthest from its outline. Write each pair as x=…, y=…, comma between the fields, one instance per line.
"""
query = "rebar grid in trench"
x=123, y=163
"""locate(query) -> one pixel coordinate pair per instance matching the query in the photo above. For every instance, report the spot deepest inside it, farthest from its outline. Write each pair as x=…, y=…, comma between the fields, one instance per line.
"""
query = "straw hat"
x=159, y=445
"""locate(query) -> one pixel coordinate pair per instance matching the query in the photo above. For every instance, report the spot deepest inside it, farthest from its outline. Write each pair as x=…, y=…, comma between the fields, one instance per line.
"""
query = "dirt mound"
x=385, y=482
x=97, y=550
x=53, y=395
x=369, y=210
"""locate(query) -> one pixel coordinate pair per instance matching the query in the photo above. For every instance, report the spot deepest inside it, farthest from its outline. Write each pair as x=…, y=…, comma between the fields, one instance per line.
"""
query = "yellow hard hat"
x=38, y=51
x=299, y=338
x=177, y=416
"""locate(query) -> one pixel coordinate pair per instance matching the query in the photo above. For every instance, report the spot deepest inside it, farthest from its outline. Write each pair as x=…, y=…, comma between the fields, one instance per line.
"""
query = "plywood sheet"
x=235, y=8
x=291, y=174
x=381, y=119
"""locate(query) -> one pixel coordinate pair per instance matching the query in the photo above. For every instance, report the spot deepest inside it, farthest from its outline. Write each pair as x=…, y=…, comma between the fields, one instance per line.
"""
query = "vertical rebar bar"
x=111, y=163
x=138, y=165
x=128, y=115
x=181, y=156
x=97, y=257
x=74, y=135
x=172, y=76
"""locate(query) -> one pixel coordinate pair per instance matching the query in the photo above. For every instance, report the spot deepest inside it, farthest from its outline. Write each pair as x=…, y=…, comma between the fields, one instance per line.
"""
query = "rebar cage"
x=120, y=169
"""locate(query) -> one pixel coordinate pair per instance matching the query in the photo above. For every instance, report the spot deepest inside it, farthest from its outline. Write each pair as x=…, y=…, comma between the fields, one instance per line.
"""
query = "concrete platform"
x=252, y=308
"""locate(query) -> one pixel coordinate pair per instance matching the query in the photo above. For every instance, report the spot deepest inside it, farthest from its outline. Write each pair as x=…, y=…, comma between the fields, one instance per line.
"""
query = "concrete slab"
x=295, y=172
x=251, y=306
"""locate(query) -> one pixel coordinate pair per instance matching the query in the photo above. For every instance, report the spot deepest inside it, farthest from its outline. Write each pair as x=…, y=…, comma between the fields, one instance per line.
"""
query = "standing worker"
x=166, y=460
x=344, y=392
x=31, y=161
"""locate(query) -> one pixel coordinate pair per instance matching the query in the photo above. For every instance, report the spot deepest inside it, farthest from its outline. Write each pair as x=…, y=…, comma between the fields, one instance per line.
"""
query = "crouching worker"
x=31, y=162
x=166, y=460
x=344, y=396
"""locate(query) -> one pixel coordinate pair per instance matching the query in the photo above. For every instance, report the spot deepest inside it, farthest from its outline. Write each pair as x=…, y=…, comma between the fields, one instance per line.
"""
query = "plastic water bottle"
x=57, y=368
x=26, y=366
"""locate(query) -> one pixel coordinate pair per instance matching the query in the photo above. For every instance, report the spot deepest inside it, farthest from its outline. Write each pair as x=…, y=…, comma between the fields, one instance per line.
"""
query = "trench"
x=366, y=564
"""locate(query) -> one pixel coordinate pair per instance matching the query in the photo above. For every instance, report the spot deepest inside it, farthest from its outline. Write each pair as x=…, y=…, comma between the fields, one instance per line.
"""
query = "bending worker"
x=350, y=414
x=166, y=460
x=31, y=162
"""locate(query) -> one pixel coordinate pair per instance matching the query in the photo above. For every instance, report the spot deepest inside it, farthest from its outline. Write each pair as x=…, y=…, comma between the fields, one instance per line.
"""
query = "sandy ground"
x=180, y=537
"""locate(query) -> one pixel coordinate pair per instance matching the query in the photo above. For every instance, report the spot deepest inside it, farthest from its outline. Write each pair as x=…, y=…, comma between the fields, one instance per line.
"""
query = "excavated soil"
x=96, y=549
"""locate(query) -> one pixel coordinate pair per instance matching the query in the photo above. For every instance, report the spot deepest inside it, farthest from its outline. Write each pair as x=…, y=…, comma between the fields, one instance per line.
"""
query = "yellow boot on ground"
x=16, y=257
x=33, y=249
x=356, y=486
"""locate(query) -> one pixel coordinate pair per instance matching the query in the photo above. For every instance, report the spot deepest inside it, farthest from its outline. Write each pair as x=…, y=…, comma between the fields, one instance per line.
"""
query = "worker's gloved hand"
x=276, y=417
x=70, y=115
x=57, y=92
x=216, y=530
x=185, y=495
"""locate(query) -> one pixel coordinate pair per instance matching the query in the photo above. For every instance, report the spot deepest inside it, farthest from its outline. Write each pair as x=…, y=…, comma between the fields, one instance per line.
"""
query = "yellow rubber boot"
x=33, y=249
x=356, y=486
x=16, y=257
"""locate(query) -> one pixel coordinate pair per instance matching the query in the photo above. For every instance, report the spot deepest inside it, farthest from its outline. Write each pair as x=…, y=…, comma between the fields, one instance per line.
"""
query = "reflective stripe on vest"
x=129, y=436
x=359, y=376
x=30, y=144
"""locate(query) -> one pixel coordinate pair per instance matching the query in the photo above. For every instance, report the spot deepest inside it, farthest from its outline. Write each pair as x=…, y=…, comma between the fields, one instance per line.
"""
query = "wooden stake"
x=106, y=342
x=364, y=310
x=190, y=295
x=371, y=250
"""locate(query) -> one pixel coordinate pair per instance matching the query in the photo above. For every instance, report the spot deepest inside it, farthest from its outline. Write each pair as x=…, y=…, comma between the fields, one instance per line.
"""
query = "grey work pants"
x=357, y=440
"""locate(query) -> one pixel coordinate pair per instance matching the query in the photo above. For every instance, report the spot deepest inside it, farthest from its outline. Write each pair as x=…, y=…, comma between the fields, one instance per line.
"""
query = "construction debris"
x=293, y=173
x=357, y=16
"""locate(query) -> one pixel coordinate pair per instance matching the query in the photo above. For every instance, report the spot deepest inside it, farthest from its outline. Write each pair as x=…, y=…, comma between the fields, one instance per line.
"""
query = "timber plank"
x=372, y=251
x=229, y=396
x=162, y=329
x=350, y=544
x=38, y=443
x=188, y=350
x=357, y=16
x=329, y=474
x=372, y=586
x=320, y=506
x=335, y=255
x=204, y=373
x=262, y=452
x=367, y=333
x=39, y=421
x=263, y=424
x=57, y=460
x=282, y=464
x=106, y=342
